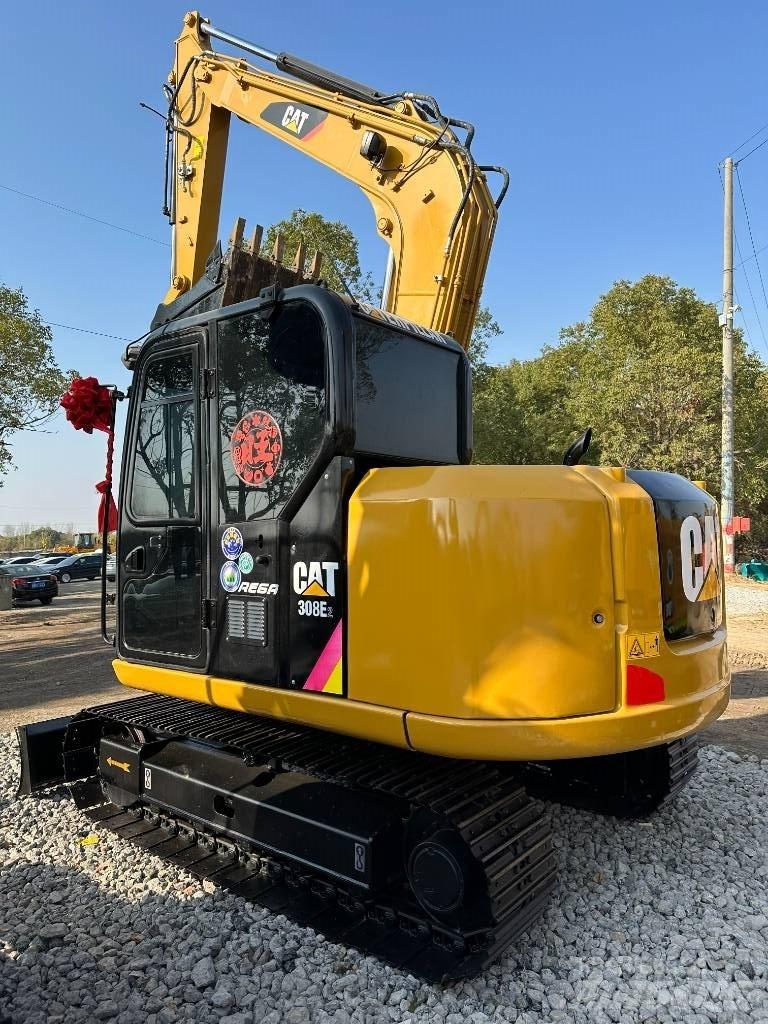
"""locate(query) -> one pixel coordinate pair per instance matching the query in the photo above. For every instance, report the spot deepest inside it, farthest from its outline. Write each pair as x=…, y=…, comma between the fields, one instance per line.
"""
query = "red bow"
x=88, y=405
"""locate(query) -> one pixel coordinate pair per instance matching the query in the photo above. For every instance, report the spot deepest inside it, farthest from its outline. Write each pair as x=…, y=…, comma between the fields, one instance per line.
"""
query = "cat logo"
x=300, y=121
x=294, y=119
x=315, y=579
x=700, y=558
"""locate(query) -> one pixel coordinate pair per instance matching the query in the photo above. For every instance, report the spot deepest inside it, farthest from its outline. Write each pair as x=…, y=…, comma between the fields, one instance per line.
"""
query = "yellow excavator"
x=363, y=659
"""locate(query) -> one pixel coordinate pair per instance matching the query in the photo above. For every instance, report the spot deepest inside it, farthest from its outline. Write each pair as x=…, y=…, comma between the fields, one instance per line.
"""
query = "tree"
x=30, y=381
x=645, y=372
x=337, y=243
x=520, y=414
x=484, y=329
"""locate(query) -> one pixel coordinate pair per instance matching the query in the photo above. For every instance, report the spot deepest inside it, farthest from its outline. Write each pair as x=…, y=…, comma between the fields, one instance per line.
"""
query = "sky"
x=611, y=117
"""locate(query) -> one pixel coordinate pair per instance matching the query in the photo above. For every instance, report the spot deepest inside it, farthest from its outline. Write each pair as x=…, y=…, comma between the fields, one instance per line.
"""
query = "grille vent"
x=247, y=621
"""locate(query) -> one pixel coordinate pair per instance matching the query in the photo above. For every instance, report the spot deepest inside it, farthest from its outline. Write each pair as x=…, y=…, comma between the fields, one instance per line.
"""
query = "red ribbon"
x=88, y=406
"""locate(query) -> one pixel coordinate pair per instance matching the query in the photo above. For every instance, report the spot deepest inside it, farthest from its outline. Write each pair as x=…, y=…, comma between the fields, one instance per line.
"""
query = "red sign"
x=739, y=524
x=256, y=448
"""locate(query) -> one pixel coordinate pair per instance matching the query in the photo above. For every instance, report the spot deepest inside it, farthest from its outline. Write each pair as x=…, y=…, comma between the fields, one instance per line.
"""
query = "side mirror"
x=578, y=449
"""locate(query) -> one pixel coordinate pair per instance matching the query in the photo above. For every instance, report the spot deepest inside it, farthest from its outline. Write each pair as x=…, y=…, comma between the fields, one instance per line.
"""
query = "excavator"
x=363, y=662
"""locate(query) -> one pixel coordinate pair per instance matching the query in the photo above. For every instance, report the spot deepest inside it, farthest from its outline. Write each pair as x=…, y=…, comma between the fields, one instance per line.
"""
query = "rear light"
x=17, y=581
x=644, y=686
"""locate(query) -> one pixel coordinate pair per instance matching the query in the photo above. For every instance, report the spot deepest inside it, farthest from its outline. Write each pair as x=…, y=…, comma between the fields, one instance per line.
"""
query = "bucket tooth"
x=314, y=268
x=236, y=238
x=299, y=259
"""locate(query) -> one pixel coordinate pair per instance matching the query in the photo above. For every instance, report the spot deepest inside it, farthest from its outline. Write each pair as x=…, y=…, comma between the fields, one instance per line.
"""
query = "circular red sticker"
x=256, y=448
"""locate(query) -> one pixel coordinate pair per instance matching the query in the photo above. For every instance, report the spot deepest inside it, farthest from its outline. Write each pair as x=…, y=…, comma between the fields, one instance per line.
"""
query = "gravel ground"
x=660, y=921
x=746, y=599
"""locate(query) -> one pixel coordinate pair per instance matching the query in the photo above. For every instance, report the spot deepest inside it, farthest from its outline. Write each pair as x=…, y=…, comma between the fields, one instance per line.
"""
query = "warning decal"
x=642, y=645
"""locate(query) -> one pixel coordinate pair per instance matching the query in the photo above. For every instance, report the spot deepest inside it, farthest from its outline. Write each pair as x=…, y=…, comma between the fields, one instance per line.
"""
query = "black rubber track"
x=507, y=832
x=630, y=785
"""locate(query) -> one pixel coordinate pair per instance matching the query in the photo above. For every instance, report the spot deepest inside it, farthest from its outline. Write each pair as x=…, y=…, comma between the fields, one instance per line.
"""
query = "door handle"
x=156, y=540
x=136, y=560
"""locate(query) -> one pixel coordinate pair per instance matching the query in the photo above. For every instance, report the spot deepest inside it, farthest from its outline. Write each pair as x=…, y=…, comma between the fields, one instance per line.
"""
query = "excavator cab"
x=249, y=427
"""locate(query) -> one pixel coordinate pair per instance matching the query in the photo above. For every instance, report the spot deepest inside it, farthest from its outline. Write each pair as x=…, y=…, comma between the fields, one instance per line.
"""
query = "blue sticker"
x=232, y=542
x=230, y=576
x=245, y=562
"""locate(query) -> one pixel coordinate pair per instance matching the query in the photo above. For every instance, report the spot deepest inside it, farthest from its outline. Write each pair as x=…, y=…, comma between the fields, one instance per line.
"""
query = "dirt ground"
x=54, y=662
x=744, y=726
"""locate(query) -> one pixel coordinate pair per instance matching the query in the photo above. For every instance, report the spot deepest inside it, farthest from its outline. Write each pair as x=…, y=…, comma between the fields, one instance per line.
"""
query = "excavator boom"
x=431, y=201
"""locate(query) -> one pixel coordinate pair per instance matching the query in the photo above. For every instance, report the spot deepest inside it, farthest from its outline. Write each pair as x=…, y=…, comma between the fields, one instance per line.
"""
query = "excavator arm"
x=431, y=201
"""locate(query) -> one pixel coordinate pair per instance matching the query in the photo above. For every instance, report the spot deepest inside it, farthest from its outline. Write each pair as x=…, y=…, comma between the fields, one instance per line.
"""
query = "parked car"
x=20, y=560
x=111, y=568
x=78, y=567
x=52, y=559
x=30, y=583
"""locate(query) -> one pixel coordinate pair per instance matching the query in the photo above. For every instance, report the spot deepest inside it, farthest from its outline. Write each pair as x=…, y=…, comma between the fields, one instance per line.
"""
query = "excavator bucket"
x=240, y=273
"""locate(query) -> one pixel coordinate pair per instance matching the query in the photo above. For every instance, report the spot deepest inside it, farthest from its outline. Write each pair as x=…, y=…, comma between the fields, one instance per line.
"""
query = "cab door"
x=269, y=441
x=162, y=546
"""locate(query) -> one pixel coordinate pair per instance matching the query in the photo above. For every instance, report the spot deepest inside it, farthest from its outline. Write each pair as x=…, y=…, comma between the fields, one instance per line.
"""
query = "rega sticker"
x=258, y=588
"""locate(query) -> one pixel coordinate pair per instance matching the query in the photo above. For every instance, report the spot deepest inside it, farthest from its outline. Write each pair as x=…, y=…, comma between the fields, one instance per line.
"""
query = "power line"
x=747, y=260
x=746, y=277
x=751, y=294
x=751, y=238
x=85, y=216
x=86, y=330
x=744, y=319
x=753, y=150
x=744, y=143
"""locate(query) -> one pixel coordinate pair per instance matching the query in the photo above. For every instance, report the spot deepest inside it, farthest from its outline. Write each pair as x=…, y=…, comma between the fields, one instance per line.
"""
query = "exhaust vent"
x=247, y=621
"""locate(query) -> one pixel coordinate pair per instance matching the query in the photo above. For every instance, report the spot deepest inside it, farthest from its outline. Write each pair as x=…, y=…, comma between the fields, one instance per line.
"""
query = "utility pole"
x=726, y=322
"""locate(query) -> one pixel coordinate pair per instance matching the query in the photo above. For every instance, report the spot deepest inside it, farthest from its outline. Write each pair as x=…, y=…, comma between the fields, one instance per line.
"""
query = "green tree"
x=30, y=381
x=337, y=243
x=485, y=328
x=644, y=371
x=520, y=413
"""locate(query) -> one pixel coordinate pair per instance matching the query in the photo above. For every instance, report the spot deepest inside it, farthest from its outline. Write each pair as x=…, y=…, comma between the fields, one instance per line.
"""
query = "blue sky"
x=611, y=117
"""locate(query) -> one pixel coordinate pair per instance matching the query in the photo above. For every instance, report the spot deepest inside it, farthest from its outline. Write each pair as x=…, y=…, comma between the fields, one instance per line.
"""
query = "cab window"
x=271, y=408
x=163, y=484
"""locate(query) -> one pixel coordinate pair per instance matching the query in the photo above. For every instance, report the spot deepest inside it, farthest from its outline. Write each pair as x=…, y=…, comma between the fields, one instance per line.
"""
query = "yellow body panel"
x=472, y=600
x=382, y=725
x=628, y=728
x=473, y=591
